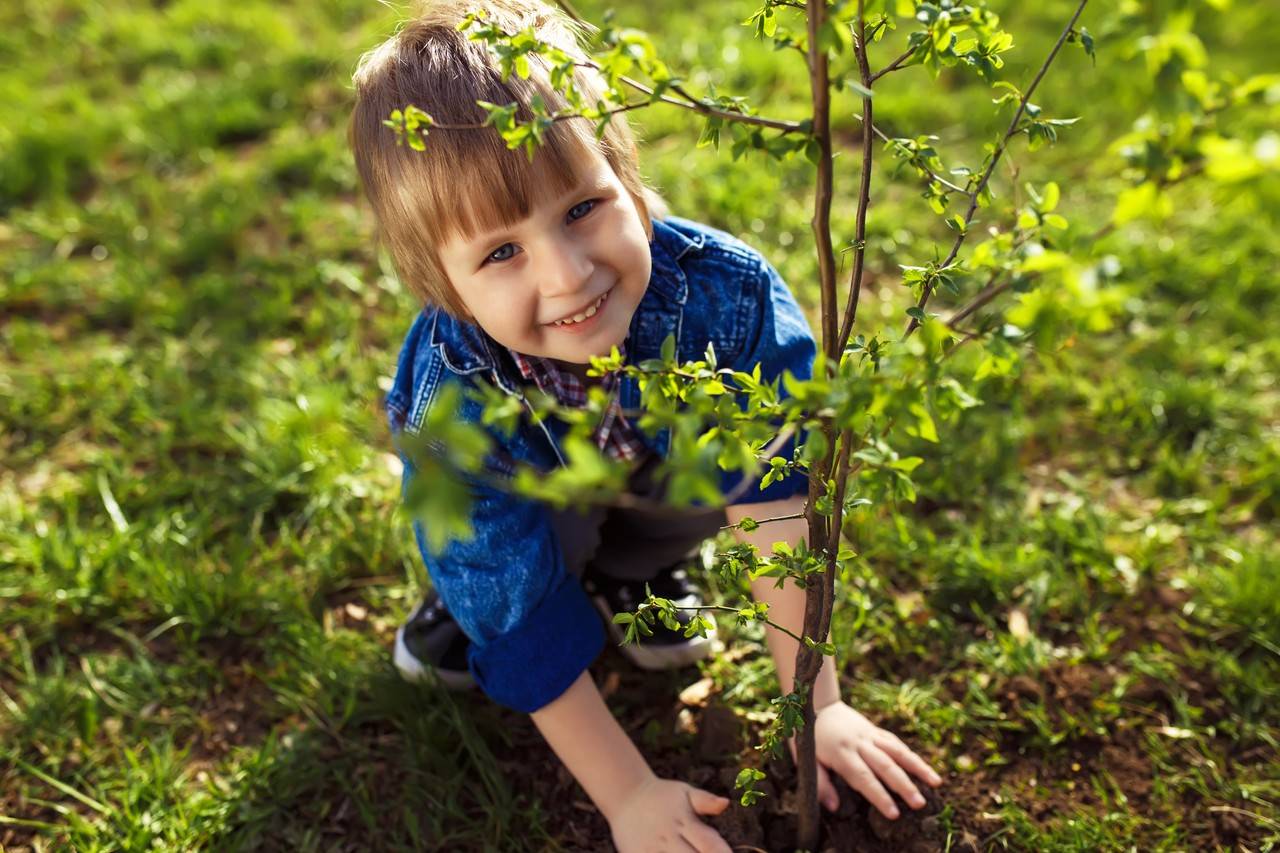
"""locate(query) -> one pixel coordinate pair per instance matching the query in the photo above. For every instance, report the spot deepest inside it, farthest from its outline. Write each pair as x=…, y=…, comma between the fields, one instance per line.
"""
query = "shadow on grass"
x=377, y=764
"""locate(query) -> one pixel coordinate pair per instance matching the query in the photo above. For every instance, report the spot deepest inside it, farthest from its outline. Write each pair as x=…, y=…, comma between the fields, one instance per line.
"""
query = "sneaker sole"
x=412, y=670
x=654, y=658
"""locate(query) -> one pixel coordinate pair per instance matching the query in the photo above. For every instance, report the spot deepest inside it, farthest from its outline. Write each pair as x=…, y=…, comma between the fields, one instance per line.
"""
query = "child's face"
x=559, y=262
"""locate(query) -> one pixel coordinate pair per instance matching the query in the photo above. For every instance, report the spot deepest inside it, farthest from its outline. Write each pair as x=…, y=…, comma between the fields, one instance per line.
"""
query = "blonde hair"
x=468, y=181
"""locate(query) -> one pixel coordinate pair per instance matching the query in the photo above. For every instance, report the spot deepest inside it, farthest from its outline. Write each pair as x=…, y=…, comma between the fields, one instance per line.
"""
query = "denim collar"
x=466, y=348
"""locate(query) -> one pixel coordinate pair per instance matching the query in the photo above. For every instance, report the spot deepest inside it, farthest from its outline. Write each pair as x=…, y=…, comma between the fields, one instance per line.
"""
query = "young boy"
x=526, y=271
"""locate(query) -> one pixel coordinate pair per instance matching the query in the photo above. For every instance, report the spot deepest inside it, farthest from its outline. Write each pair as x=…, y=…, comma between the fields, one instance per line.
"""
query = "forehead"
x=495, y=193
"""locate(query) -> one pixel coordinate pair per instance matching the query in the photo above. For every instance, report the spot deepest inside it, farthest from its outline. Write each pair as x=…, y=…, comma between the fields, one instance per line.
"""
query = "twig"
x=706, y=109
x=892, y=66
x=837, y=522
x=995, y=159
x=968, y=336
x=694, y=104
x=864, y=190
x=766, y=520
x=781, y=628
x=932, y=174
x=559, y=117
x=820, y=87
x=990, y=292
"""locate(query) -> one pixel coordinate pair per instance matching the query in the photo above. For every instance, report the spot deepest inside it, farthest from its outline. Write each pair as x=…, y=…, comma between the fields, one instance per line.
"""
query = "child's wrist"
x=614, y=802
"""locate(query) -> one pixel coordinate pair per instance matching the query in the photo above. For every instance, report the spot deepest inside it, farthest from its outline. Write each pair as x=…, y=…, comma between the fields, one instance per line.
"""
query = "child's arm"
x=581, y=730
x=868, y=757
x=644, y=811
x=786, y=605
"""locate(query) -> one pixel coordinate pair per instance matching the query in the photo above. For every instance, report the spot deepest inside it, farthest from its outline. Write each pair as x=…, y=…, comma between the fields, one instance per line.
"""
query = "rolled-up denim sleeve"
x=533, y=630
x=780, y=341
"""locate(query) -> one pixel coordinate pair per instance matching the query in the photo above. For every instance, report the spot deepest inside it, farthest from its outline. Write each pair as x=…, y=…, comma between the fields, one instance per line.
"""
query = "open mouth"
x=587, y=313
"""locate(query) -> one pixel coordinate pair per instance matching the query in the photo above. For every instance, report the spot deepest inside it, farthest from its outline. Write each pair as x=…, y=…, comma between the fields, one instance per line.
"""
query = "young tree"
x=868, y=391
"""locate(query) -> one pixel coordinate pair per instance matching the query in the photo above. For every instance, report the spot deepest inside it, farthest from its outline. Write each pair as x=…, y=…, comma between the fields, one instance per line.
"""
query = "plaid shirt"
x=617, y=438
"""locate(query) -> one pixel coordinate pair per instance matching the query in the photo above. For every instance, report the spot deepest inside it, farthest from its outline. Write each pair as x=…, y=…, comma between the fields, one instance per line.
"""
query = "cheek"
x=643, y=261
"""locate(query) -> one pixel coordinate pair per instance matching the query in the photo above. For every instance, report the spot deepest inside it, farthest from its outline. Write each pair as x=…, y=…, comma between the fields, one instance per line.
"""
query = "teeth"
x=590, y=312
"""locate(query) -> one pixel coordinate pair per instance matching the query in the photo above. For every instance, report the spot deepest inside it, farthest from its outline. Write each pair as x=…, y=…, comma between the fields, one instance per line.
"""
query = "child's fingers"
x=892, y=775
x=827, y=790
x=902, y=754
x=863, y=779
x=705, y=802
x=704, y=839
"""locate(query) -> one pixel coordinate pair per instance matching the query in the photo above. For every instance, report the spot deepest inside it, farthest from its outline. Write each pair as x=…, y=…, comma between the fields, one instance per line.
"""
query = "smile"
x=586, y=314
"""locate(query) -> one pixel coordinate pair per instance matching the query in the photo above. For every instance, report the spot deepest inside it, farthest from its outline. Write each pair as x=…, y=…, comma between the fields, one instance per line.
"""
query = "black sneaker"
x=430, y=640
x=666, y=649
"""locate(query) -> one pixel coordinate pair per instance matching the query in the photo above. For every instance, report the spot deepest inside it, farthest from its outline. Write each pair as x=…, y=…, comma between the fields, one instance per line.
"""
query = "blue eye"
x=503, y=253
x=584, y=206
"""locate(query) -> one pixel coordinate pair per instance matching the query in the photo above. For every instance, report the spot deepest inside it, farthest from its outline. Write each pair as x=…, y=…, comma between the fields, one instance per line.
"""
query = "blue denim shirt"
x=532, y=628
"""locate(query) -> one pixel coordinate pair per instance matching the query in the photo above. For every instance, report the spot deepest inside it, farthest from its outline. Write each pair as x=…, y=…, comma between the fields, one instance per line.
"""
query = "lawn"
x=203, y=562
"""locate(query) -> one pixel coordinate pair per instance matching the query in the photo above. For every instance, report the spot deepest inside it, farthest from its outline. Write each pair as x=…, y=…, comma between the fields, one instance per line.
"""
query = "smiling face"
x=563, y=282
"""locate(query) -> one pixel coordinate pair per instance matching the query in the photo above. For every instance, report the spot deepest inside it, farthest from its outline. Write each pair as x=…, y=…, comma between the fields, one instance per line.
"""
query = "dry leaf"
x=698, y=693
x=907, y=603
x=1175, y=732
x=1018, y=625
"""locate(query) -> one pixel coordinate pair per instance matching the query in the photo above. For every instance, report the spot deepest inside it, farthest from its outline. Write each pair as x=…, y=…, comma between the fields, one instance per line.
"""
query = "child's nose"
x=564, y=272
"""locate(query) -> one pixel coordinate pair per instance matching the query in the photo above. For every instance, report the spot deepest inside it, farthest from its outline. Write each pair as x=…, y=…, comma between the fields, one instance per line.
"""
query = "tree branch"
x=706, y=109
x=558, y=117
x=892, y=66
x=864, y=190
x=991, y=291
x=932, y=174
x=695, y=104
x=766, y=520
x=795, y=637
x=995, y=159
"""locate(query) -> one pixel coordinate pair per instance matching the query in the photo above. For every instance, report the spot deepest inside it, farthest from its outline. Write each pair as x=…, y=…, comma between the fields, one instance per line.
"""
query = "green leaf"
x=1051, y=196
x=925, y=426
x=668, y=350
x=906, y=464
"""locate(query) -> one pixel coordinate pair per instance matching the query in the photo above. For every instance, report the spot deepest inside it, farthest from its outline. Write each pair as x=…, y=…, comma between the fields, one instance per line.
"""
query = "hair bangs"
x=490, y=187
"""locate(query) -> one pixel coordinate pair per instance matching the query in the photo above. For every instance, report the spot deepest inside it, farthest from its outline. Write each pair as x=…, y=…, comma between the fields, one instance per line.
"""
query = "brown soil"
x=1051, y=782
x=706, y=743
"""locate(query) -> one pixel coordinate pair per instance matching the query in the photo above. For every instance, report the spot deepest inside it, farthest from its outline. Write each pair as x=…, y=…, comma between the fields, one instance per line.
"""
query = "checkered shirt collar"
x=614, y=435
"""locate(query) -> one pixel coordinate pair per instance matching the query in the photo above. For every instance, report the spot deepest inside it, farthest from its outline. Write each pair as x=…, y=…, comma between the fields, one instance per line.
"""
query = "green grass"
x=201, y=560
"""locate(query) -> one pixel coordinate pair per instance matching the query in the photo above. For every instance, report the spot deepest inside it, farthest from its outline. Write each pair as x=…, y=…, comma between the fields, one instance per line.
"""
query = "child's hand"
x=868, y=757
x=662, y=816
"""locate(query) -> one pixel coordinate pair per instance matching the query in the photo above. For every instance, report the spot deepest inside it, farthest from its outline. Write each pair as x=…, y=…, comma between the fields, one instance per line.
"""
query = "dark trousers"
x=633, y=544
